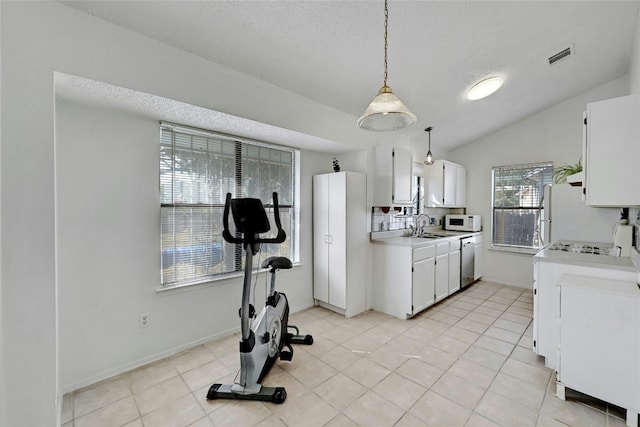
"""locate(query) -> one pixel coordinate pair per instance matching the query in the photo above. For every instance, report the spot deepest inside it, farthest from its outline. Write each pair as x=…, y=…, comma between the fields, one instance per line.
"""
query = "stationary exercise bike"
x=268, y=337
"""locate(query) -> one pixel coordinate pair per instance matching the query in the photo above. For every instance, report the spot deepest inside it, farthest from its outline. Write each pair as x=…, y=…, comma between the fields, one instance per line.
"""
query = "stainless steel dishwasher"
x=467, y=261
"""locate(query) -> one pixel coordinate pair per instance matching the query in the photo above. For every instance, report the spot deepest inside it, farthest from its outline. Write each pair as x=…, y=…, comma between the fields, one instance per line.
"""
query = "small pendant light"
x=386, y=111
x=429, y=159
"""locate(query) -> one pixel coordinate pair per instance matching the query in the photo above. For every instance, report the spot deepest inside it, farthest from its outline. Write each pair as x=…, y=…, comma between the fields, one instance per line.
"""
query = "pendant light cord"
x=386, y=24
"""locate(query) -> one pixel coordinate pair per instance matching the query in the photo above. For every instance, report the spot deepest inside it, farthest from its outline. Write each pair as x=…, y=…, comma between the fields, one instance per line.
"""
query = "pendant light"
x=429, y=159
x=386, y=111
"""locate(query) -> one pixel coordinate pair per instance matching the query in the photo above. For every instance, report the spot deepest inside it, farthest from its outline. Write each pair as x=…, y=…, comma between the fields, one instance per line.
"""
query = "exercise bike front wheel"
x=275, y=336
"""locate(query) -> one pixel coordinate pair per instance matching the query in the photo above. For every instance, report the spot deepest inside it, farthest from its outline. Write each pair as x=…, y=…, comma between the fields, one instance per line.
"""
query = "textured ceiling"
x=86, y=91
x=332, y=51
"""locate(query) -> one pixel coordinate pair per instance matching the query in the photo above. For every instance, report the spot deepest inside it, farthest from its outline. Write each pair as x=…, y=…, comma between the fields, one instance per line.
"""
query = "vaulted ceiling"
x=332, y=51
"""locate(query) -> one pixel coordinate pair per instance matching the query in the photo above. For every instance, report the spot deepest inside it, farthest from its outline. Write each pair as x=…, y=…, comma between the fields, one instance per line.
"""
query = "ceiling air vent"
x=565, y=53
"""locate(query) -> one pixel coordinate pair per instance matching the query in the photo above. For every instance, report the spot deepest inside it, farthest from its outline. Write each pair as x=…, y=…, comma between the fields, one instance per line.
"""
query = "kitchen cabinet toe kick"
x=631, y=414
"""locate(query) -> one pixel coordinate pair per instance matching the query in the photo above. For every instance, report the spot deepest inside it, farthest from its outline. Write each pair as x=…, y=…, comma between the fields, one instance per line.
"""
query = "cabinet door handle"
x=328, y=238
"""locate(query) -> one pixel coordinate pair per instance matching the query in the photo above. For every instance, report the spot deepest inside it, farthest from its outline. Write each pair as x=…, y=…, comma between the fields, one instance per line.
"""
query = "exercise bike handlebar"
x=281, y=237
x=225, y=222
x=226, y=234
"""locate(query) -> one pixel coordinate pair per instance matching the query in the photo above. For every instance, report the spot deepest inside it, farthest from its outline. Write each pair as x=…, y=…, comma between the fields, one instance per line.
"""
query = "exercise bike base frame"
x=266, y=394
x=299, y=339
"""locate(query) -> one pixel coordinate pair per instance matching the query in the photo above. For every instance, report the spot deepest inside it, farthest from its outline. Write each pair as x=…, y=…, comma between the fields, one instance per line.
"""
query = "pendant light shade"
x=428, y=160
x=386, y=111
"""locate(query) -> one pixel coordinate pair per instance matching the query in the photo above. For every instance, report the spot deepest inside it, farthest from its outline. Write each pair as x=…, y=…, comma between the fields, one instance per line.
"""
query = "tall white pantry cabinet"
x=340, y=241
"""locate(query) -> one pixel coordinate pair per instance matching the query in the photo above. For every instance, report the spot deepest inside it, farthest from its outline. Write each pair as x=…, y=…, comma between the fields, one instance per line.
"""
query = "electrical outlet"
x=144, y=320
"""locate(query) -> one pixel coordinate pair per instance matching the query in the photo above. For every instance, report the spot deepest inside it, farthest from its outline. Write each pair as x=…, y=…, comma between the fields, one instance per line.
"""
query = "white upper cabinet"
x=611, y=152
x=392, y=179
x=445, y=185
x=448, y=184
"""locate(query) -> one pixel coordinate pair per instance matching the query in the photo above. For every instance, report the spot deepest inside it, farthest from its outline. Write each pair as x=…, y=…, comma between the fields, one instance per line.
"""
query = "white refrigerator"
x=566, y=217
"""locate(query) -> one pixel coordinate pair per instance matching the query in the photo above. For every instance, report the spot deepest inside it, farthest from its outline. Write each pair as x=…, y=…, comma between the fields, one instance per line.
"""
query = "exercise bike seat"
x=277, y=262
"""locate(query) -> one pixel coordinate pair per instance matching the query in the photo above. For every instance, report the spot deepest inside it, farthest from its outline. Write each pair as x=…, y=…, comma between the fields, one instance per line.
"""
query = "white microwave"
x=462, y=222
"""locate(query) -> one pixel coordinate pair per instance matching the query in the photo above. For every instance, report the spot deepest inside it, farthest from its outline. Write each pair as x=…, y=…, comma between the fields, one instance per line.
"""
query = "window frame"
x=547, y=178
x=241, y=155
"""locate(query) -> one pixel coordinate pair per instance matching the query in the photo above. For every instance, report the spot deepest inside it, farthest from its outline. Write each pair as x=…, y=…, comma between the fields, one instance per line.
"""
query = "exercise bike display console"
x=268, y=337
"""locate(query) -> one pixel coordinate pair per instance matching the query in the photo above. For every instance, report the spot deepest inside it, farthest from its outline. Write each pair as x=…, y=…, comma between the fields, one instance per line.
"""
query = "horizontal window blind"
x=517, y=204
x=197, y=169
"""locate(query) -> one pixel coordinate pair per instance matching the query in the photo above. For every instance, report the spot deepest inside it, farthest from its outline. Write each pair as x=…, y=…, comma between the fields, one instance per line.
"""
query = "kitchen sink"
x=428, y=236
x=433, y=235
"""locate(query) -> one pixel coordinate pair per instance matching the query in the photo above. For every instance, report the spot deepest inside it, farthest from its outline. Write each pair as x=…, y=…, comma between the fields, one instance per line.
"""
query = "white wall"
x=554, y=134
x=634, y=70
x=107, y=227
x=107, y=207
x=39, y=38
x=1, y=304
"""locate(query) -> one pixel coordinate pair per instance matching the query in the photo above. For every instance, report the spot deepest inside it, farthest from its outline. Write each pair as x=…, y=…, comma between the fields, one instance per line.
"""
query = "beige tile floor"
x=464, y=362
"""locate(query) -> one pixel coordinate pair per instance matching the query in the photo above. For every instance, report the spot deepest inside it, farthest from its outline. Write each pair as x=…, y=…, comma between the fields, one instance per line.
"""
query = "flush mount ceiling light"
x=386, y=111
x=429, y=159
x=484, y=88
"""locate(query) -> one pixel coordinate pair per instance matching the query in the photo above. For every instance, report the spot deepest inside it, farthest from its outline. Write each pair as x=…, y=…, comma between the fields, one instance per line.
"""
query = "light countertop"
x=399, y=237
x=588, y=260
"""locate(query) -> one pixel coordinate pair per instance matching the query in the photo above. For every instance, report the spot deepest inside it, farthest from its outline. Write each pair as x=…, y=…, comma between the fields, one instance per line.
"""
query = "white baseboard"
x=502, y=282
x=141, y=362
x=152, y=358
x=300, y=308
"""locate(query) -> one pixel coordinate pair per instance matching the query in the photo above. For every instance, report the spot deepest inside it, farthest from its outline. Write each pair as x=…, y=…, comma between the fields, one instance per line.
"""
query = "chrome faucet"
x=415, y=221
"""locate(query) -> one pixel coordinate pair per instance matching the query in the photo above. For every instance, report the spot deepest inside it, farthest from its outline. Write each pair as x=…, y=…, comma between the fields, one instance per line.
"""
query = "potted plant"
x=568, y=173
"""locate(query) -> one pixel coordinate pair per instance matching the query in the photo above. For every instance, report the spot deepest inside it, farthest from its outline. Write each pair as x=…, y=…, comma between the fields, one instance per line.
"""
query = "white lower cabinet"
x=442, y=271
x=407, y=280
x=477, y=258
x=393, y=278
x=454, y=267
x=599, y=343
x=546, y=301
x=422, y=279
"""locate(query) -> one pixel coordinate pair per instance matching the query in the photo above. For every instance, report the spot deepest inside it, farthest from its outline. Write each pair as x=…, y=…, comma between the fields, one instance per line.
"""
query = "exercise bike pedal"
x=287, y=355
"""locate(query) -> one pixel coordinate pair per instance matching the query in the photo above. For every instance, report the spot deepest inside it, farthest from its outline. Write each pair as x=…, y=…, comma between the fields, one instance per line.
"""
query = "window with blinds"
x=197, y=169
x=517, y=205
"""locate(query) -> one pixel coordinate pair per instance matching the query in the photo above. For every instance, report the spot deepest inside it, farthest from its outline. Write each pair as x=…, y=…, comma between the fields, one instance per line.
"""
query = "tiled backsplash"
x=404, y=218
